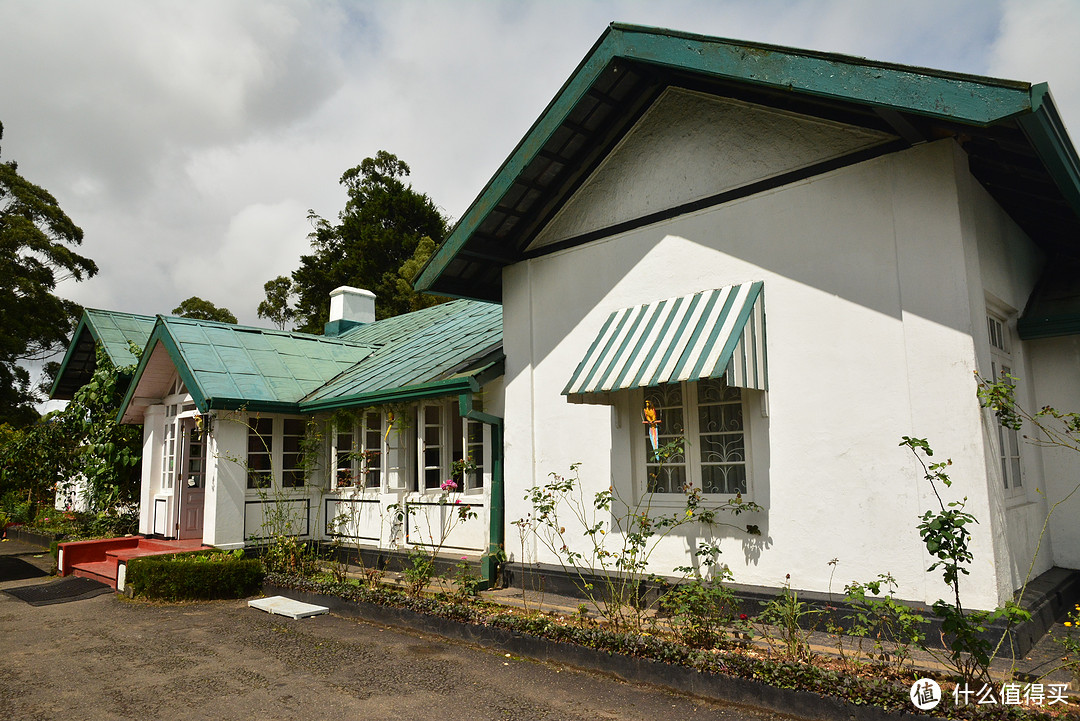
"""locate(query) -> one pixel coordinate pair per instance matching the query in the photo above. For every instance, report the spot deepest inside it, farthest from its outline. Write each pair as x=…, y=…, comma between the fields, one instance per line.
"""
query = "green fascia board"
x=87, y=324
x=956, y=97
x=1048, y=327
x=435, y=389
x=82, y=328
x=1047, y=134
x=161, y=334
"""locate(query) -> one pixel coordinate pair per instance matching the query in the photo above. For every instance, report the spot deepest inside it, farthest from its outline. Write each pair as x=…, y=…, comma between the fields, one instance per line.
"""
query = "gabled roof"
x=1016, y=143
x=437, y=348
x=113, y=332
x=227, y=367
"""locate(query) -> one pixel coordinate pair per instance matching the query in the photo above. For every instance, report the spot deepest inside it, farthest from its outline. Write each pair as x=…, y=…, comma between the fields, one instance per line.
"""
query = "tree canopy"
x=199, y=309
x=277, y=307
x=36, y=252
x=378, y=232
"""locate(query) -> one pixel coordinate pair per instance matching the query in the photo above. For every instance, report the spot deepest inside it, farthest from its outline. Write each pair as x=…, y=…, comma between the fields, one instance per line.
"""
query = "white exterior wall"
x=1055, y=365
x=226, y=483
x=869, y=325
x=150, y=485
x=1007, y=264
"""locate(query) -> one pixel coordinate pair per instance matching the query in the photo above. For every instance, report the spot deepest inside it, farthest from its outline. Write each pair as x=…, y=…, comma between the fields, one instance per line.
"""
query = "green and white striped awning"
x=709, y=334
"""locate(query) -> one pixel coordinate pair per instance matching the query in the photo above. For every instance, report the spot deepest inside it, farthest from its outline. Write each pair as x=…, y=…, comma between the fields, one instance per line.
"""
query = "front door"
x=191, y=480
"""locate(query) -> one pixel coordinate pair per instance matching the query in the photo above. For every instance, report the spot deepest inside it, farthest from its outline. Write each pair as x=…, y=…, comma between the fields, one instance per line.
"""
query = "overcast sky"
x=189, y=138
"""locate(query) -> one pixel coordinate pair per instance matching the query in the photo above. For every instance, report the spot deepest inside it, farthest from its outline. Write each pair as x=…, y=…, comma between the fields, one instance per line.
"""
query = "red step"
x=100, y=559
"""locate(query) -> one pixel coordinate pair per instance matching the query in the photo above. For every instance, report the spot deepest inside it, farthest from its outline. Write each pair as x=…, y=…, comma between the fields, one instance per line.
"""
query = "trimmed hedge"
x=194, y=576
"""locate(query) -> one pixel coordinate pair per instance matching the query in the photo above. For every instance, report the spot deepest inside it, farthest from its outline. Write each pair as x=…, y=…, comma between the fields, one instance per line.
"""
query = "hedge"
x=194, y=576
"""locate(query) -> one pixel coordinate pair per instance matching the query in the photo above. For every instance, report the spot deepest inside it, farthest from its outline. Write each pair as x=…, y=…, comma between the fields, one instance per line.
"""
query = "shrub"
x=195, y=576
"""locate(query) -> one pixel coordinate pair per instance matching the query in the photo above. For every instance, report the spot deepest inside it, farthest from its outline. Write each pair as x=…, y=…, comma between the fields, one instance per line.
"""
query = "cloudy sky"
x=189, y=138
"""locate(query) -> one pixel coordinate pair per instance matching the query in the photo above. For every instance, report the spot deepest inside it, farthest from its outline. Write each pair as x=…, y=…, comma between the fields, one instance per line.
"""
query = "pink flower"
x=448, y=485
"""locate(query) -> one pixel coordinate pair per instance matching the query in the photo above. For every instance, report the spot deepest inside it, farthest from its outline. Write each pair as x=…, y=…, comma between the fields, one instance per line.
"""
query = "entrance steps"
x=101, y=559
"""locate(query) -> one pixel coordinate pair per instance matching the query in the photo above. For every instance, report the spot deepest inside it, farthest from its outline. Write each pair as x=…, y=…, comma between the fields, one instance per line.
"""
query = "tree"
x=378, y=231
x=199, y=309
x=276, y=307
x=36, y=252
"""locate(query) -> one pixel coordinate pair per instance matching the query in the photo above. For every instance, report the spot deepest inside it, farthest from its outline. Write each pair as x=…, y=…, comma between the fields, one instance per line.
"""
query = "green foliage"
x=620, y=538
x=34, y=460
x=1070, y=644
x=418, y=572
x=199, y=309
x=288, y=554
x=277, y=308
x=108, y=453
x=895, y=628
x=793, y=621
x=705, y=612
x=37, y=241
x=467, y=585
x=944, y=532
x=378, y=232
x=195, y=576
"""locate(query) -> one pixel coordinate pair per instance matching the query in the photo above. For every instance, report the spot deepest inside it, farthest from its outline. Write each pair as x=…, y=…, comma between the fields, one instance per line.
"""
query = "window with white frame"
x=449, y=448
x=275, y=452
x=359, y=453
x=168, y=452
x=699, y=441
x=1001, y=363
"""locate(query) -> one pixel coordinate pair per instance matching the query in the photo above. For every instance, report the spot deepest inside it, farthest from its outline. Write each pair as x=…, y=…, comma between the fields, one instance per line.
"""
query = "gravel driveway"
x=110, y=658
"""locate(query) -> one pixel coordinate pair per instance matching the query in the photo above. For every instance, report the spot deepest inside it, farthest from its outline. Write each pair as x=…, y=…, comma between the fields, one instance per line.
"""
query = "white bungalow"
x=895, y=230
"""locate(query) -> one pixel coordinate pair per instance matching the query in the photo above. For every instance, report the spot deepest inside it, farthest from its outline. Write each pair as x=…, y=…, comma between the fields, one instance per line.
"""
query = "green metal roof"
x=227, y=366
x=113, y=332
x=709, y=334
x=437, y=345
x=1015, y=141
x=436, y=351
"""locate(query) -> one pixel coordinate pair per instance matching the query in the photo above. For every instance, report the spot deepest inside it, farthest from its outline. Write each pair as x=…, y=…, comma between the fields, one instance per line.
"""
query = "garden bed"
x=736, y=676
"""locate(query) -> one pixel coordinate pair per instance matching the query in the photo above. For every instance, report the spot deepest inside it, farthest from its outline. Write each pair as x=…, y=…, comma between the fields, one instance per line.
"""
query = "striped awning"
x=709, y=334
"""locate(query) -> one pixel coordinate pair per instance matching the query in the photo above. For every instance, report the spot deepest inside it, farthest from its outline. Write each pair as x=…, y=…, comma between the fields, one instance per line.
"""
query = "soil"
x=113, y=658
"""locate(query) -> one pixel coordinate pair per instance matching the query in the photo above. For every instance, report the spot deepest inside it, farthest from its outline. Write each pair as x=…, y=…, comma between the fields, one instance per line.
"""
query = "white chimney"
x=349, y=307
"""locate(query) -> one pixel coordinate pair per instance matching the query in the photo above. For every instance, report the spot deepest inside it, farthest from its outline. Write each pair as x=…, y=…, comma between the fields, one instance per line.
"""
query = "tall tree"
x=377, y=232
x=277, y=307
x=36, y=252
x=199, y=309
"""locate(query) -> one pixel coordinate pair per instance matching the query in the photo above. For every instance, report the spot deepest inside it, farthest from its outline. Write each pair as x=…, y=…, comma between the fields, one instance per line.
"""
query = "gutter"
x=496, y=550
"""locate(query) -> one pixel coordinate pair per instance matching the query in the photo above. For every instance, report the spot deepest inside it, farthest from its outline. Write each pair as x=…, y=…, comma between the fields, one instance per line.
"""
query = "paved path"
x=109, y=658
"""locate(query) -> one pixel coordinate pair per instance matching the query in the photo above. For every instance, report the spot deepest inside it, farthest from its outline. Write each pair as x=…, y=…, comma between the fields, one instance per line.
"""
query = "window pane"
x=670, y=478
x=724, y=479
x=723, y=448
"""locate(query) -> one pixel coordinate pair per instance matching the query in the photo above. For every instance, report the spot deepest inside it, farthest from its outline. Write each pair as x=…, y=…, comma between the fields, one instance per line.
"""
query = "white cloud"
x=189, y=139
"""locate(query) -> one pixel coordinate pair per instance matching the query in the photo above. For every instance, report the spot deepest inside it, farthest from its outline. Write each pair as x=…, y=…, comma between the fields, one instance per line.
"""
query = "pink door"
x=191, y=481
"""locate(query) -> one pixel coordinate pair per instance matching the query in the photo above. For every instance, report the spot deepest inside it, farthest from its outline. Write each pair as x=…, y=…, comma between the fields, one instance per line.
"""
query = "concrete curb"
x=740, y=691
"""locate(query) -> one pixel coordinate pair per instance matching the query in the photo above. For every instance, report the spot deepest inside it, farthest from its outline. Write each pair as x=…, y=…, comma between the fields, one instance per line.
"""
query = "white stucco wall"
x=869, y=320
x=1007, y=264
x=1055, y=364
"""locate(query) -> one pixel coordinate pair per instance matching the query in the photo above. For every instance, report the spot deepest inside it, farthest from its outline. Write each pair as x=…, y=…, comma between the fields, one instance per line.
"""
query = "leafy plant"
x=894, y=627
x=944, y=532
x=418, y=572
x=620, y=537
x=704, y=612
x=452, y=513
x=791, y=620
x=467, y=584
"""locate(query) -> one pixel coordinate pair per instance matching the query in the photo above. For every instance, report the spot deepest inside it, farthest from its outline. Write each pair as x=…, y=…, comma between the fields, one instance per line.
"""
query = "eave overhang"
x=1017, y=146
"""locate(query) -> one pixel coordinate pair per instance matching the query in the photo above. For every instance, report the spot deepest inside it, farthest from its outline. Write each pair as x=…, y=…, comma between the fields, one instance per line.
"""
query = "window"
x=358, y=453
x=260, y=452
x=276, y=452
x=450, y=448
x=168, y=455
x=700, y=438
x=292, y=453
x=1001, y=364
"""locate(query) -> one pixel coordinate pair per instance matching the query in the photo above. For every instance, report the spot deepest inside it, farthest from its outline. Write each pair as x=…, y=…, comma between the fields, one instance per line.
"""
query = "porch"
x=105, y=559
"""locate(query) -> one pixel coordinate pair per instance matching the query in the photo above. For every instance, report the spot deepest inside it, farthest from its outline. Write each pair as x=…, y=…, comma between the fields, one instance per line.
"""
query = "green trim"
x=161, y=334
x=1047, y=134
x=435, y=389
x=489, y=562
x=83, y=325
x=955, y=97
x=1049, y=327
